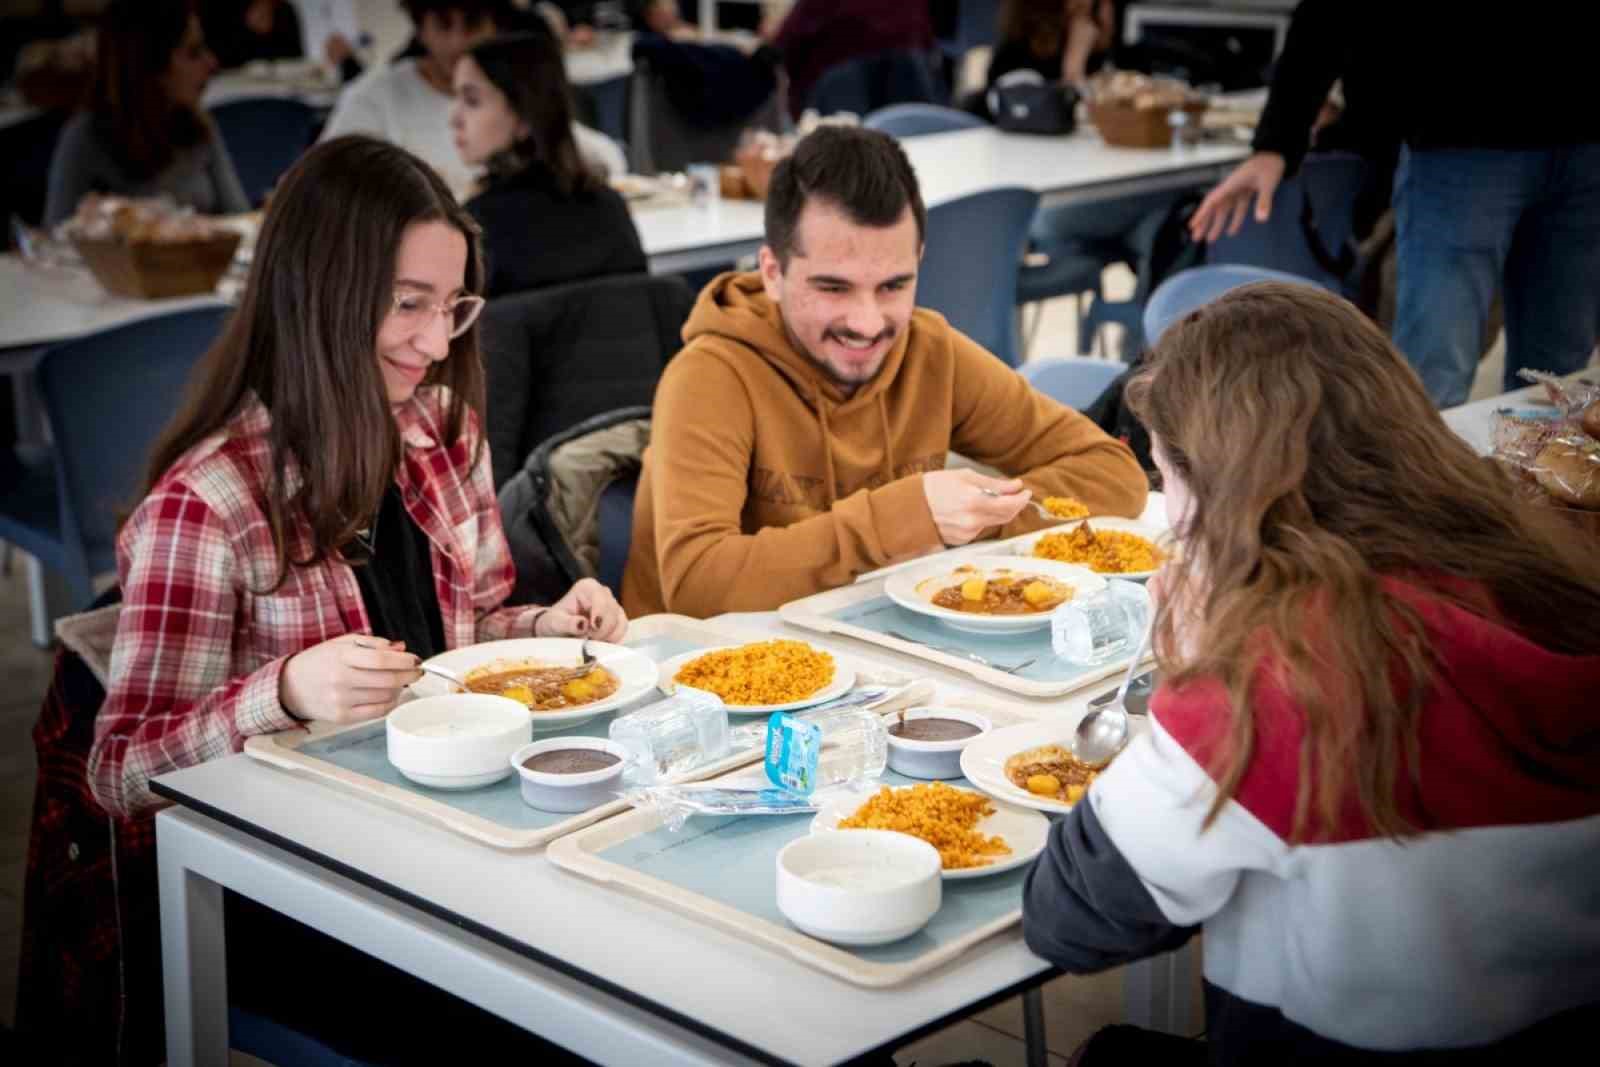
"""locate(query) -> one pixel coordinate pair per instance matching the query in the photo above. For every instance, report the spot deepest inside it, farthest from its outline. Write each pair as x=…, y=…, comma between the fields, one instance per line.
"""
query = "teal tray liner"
x=366, y=752
x=880, y=615
x=733, y=860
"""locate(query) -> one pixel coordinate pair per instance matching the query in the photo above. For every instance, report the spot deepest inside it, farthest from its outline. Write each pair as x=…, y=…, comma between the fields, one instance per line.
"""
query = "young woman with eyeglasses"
x=320, y=514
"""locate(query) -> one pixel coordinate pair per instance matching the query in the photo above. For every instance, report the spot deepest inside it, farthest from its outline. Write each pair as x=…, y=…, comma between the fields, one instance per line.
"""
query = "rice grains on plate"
x=941, y=815
x=766, y=672
x=1102, y=551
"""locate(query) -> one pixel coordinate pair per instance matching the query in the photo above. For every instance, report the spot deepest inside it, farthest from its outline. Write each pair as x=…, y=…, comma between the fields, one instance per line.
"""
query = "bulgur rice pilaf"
x=1102, y=551
x=764, y=672
x=939, y=814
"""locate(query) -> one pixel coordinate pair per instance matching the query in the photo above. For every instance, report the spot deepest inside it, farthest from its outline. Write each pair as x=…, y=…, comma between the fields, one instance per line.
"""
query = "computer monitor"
x=1232, y=46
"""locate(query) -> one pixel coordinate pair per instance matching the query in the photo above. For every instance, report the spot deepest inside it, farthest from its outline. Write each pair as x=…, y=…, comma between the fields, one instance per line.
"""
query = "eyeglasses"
x=416, y=311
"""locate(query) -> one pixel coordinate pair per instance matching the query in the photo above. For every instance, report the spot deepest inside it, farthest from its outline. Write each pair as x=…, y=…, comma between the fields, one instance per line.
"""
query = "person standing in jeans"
x=1498, y=186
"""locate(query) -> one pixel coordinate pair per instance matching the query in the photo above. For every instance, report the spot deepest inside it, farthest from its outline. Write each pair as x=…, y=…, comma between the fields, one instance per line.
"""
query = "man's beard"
x=849, y=385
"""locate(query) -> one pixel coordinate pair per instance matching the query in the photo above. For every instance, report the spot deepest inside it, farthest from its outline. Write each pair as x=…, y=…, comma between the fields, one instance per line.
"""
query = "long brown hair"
x=128, y=98
x=303, y=342
x=528, y=68
x=1043, y=25
x=1317, y=468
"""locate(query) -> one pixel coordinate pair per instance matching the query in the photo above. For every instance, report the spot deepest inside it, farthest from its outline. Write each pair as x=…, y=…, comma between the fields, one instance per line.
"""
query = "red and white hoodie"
x=1476, y=940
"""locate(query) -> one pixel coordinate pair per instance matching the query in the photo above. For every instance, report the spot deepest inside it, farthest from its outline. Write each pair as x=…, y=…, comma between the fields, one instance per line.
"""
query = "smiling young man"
x=800, y=437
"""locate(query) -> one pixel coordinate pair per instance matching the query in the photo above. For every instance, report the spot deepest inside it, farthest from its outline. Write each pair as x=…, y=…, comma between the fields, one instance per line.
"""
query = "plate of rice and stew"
x=542, y=673
x=991, y=594
x=1116, y=548
x=761, y=677
x=1031, y=764
x=975, y=836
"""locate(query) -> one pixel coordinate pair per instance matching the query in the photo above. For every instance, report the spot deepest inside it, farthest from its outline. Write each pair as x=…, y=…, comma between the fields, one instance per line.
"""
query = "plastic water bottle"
x=686, y=730
x=839, y=747
x=1097, y=629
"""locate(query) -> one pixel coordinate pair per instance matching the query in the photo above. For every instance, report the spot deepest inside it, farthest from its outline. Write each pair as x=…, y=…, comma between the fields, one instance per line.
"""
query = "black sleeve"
x=1084, y=908
x=1312, y=60
x=629, y=257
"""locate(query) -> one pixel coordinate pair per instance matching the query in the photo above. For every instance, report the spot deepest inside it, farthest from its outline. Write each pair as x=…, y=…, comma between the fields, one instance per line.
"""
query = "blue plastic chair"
x=616, y=530
x=1189, y=289
x=107, y=396
x=862, y=86
x=1071, y=380
x=969, y=267
x=914, y=120
x=1330, y=181
x=264, y=136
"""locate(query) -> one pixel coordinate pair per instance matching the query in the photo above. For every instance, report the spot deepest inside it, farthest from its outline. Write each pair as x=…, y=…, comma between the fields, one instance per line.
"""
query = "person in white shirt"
x=408, y=102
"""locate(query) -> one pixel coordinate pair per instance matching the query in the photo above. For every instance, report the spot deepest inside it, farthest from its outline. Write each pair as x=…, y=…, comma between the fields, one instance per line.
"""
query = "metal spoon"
x=440, y=672
x=1102, y=733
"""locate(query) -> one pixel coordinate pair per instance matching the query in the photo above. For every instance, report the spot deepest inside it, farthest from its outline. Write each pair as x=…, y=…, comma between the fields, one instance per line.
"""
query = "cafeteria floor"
x=1073, y=1007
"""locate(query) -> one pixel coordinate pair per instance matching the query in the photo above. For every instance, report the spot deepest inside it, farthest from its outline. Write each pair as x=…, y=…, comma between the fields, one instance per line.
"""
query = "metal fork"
x=973, y=656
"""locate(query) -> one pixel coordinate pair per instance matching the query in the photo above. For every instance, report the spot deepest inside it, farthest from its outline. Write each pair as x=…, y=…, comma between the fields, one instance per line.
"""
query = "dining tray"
x=722, y=870
x=865, y=612
x=355, y=758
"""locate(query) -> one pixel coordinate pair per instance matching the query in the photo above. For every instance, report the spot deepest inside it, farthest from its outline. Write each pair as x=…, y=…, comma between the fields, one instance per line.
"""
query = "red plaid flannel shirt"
x=197, y=658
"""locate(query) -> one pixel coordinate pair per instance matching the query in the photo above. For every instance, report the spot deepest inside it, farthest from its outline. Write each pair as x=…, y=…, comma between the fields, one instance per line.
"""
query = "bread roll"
x=1569, y=470
x=1590, y=419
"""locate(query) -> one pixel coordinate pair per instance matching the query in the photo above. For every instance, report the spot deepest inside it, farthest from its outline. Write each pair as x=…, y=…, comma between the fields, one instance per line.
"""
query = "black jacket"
x=535, y=236
x=558, y=356
x=1440, y=74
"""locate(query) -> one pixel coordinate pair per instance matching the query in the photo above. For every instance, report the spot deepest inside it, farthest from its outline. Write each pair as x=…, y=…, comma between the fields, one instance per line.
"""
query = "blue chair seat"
x=915, y=120
x=1189, y=289
x=1071, y=380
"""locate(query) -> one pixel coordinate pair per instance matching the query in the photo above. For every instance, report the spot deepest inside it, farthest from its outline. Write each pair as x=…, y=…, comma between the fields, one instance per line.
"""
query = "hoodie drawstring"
x=888, y=440
x=827, y=448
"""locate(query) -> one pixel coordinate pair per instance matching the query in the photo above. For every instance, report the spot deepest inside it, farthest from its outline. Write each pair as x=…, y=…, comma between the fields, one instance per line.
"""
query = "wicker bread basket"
x=150, y=269
x=1122, y=125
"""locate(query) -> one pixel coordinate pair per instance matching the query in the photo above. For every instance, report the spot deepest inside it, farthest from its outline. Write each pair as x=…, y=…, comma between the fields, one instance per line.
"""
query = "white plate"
x=635, y=670
x=983, y=762
x=902, y=589
x=843, y=679
x=1161, y=535
x=1025, y=831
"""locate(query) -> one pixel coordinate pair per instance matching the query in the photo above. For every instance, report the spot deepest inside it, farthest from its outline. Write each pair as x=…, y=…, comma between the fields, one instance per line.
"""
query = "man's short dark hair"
x=864, y=172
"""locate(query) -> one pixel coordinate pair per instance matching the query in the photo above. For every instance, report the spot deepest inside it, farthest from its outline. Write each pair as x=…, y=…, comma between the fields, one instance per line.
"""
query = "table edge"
x=589, y=978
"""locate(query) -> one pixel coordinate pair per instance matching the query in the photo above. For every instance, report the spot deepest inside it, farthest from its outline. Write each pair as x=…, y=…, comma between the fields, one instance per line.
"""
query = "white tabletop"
x=737, y=989
x=299, y=81
x=611, y=56
x=1077, y=168
x=38, y=309
x=44, y=307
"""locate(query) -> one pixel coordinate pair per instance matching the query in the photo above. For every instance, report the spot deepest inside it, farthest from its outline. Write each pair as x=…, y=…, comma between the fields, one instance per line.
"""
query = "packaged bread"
x=1568, y=468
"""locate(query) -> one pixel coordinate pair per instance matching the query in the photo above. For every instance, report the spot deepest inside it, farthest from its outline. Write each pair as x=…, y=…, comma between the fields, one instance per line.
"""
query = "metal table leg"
x=1033, y=1027
x=193, y=959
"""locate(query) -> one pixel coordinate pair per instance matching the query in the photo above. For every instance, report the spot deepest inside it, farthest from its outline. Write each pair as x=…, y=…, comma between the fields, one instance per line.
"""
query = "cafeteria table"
x=1079, y=168
x=612, y=977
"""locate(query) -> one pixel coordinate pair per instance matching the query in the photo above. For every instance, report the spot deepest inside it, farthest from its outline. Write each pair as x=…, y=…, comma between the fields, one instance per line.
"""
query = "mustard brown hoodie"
x=765, y=483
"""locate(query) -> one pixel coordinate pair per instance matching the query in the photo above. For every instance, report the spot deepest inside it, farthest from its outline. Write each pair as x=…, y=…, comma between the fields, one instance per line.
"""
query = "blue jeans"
x=1471, y=220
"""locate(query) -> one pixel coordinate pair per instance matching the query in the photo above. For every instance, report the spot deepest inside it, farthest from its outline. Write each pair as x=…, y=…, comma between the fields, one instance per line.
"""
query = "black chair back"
x=555, y=357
